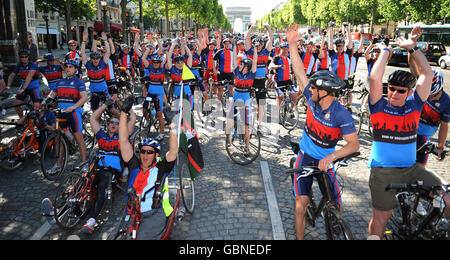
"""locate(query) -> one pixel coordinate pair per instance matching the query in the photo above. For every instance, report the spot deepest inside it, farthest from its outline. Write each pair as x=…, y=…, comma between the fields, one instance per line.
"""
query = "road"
x=233, y=202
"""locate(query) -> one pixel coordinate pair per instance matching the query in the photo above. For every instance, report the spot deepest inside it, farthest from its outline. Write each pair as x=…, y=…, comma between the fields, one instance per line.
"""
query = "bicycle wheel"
x=271, y=92
x=288, y=114
x=336, y=227
x=236, y=149
x=54, y=156
x=71, y=203
x=141, y=135
x=8, y=160
x=187, y=188
x=302, y=104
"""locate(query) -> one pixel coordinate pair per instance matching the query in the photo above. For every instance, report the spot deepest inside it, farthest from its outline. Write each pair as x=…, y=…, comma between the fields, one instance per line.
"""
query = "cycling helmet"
x=276, y=43
x=24, y=52
x=438, y=82
x=240, y=42
x=339, y=41
x=156, y=57
x=49, y=56
x=72, y=62
x=178, y=58
x=150, y=142
x=95, y=55
x=284, y=45
x=72, y=42
x=213, y=42
x=402, y=78
x=247, y=63
x=326, y=80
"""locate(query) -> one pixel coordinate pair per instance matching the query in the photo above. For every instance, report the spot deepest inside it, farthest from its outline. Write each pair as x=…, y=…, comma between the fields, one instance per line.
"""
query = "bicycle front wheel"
x=70, y=203
x=237, y=150
x=187, y=189
x=54, y=156
x=336, y=227
x=288, y=115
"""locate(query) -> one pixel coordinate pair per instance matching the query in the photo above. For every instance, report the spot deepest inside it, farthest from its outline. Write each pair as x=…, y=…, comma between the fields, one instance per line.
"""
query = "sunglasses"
x=338, y=46
x=23, y=57
x=147, y=151
x=114, y=122
x=69, y=66
x=400, y=91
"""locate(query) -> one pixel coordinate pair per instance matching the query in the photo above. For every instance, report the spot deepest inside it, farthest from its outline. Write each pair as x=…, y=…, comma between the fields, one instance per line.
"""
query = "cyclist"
x=52, y=72
x=210, y=70
x=71, y=96
x=395, y=122
x=74, y=54
x=282, y=66
x=326, y=122
x=224, y=58
x=146, y=174
x=97, y=70
x=156, y=74
x=108, y=146
x=195, y=68
x=29, y=73
x=176, y=71
x=245, y=75
x=435, y=115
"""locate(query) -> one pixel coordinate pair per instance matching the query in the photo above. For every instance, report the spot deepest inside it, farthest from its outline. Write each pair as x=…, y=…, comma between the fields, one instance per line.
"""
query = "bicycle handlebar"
x=430, y=147
x=312, y=169
x=416, y=187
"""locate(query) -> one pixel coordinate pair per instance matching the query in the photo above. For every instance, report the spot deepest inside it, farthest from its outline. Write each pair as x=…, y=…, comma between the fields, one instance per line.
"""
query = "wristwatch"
x=415, y=48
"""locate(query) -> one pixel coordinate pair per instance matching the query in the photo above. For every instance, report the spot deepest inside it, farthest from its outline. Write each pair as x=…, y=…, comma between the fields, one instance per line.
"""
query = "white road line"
x=41, y=231
x=275, y=217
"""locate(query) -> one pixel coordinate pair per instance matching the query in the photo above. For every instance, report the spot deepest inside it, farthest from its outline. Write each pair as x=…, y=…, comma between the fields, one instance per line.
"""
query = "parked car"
x=444, y=61
x=432, y=50
x=399, y=55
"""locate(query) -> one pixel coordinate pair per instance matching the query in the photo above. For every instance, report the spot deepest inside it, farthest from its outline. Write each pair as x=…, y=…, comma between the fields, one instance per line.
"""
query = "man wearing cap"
x=52, y=72
x=29, y=73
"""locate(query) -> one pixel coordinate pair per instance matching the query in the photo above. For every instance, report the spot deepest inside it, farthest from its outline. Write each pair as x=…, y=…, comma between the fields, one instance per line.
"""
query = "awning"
x=98, y=26
x=134, y=30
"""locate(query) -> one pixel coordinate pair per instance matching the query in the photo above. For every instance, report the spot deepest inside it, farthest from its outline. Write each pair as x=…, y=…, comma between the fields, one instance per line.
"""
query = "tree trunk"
x=167, y=18
x=69, y=20
x=123, y=5
x=372, y=18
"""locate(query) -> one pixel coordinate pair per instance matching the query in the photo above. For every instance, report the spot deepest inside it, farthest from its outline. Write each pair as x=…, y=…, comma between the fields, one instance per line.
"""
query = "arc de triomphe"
x=244, y=13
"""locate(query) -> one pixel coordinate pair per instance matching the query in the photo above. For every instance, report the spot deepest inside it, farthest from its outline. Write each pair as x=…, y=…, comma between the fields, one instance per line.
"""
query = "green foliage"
x=79, y=8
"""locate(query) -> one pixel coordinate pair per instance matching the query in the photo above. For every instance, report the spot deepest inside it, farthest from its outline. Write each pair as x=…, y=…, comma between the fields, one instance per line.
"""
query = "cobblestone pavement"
x=231, y=201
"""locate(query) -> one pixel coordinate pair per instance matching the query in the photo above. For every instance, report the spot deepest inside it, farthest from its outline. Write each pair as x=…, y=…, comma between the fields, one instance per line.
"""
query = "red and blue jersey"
x=52, y=74
x=340, y=63
x=23, y=71
x=126, y=60
x=282, y=74
x=262, y=61
x=309, y=62
x=109, y=147
x=225, y=58
x=243, y=82
x=68, y=92
x=325, y=62
x=395, y=132
x=208, y=57
x=156, y=76
x=97, y=76
x=433, y=112
x=324, y=128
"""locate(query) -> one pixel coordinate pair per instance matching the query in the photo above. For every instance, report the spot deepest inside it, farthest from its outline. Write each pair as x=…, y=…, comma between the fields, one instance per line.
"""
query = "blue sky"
x=259, y=7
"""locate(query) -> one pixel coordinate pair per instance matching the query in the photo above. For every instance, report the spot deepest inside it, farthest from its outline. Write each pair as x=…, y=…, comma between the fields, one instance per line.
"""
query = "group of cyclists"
x=415, y=107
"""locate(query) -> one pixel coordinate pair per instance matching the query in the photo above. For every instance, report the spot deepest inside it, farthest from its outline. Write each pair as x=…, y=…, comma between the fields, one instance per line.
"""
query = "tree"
x=71, y=9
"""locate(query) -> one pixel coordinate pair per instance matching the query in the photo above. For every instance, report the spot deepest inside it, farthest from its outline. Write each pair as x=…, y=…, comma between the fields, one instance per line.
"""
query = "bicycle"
x=149, y=118
x=430, y=147
x=124, y=86
x=13, y=152
x=288, y=112
x=336, y=227
x=59, y=145
x=77, y=193
x=417, y=214
x=178, y=192
x=362, y=115
x=236, y=142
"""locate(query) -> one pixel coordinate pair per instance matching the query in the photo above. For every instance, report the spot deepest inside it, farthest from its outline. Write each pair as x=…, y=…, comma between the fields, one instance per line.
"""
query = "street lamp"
x=45, y=16
x=105, y=25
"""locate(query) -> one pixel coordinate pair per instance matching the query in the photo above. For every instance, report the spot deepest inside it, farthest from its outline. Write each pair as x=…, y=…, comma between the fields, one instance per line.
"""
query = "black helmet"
x=95, y=55
x=156, y=57
x=339, y=41
x=326, y=80
x=178, y=58
x=402, y=78
x=247, y=62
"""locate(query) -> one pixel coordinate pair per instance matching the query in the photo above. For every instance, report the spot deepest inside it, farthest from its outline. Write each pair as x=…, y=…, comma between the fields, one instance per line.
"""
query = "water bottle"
x=180, y=213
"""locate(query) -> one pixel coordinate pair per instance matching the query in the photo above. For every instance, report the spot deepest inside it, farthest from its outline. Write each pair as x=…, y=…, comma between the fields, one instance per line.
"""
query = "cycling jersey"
x=282, y=74
x=52, y=74
x=97, y=75
x=324, y=63
x=241, y=55
x=68, y=91
x=225, y=58
x=109, y=147
x=433, y=112
x=176, y=75
x=309, y=62
x=208, y=57
x=109, y=71
x=23, y=71
x=126, y=60
x=243, y=82
x=157, y=77
x=263, y=60
x=394, y=132
x=340, y=63
x=144, y=182
x=354, y=62
x=324, y=128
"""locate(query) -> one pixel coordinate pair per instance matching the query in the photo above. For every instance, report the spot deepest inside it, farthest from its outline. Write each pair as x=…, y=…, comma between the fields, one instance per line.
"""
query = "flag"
x=189, y=143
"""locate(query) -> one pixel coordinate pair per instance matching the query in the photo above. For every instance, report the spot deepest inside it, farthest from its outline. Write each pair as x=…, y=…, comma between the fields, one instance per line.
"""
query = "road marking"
x=41, y=231
x=275, y=217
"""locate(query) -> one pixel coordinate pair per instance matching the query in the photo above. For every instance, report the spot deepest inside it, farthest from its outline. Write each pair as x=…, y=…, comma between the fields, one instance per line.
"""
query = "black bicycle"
x=336, y=227
x=418, y=215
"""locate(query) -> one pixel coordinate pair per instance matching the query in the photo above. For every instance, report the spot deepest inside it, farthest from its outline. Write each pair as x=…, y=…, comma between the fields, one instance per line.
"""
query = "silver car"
x=444, y=61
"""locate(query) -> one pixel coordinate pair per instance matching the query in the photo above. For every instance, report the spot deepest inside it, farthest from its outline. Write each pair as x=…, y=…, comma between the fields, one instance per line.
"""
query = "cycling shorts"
x=208, y=74
x=241, y=98
x=34, y=94
x=225, y=76
x=302, y=186
x=158, y=91
x=260, y=89
x=72, y=121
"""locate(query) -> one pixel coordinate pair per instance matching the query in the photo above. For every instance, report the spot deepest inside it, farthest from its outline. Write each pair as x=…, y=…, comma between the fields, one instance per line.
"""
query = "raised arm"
x=297, y=64
x=107, y=49
x=126, y=149
x=94, y=119
x=269, y=45
x=83, y=47
x=376, y=76
x=248, y=38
